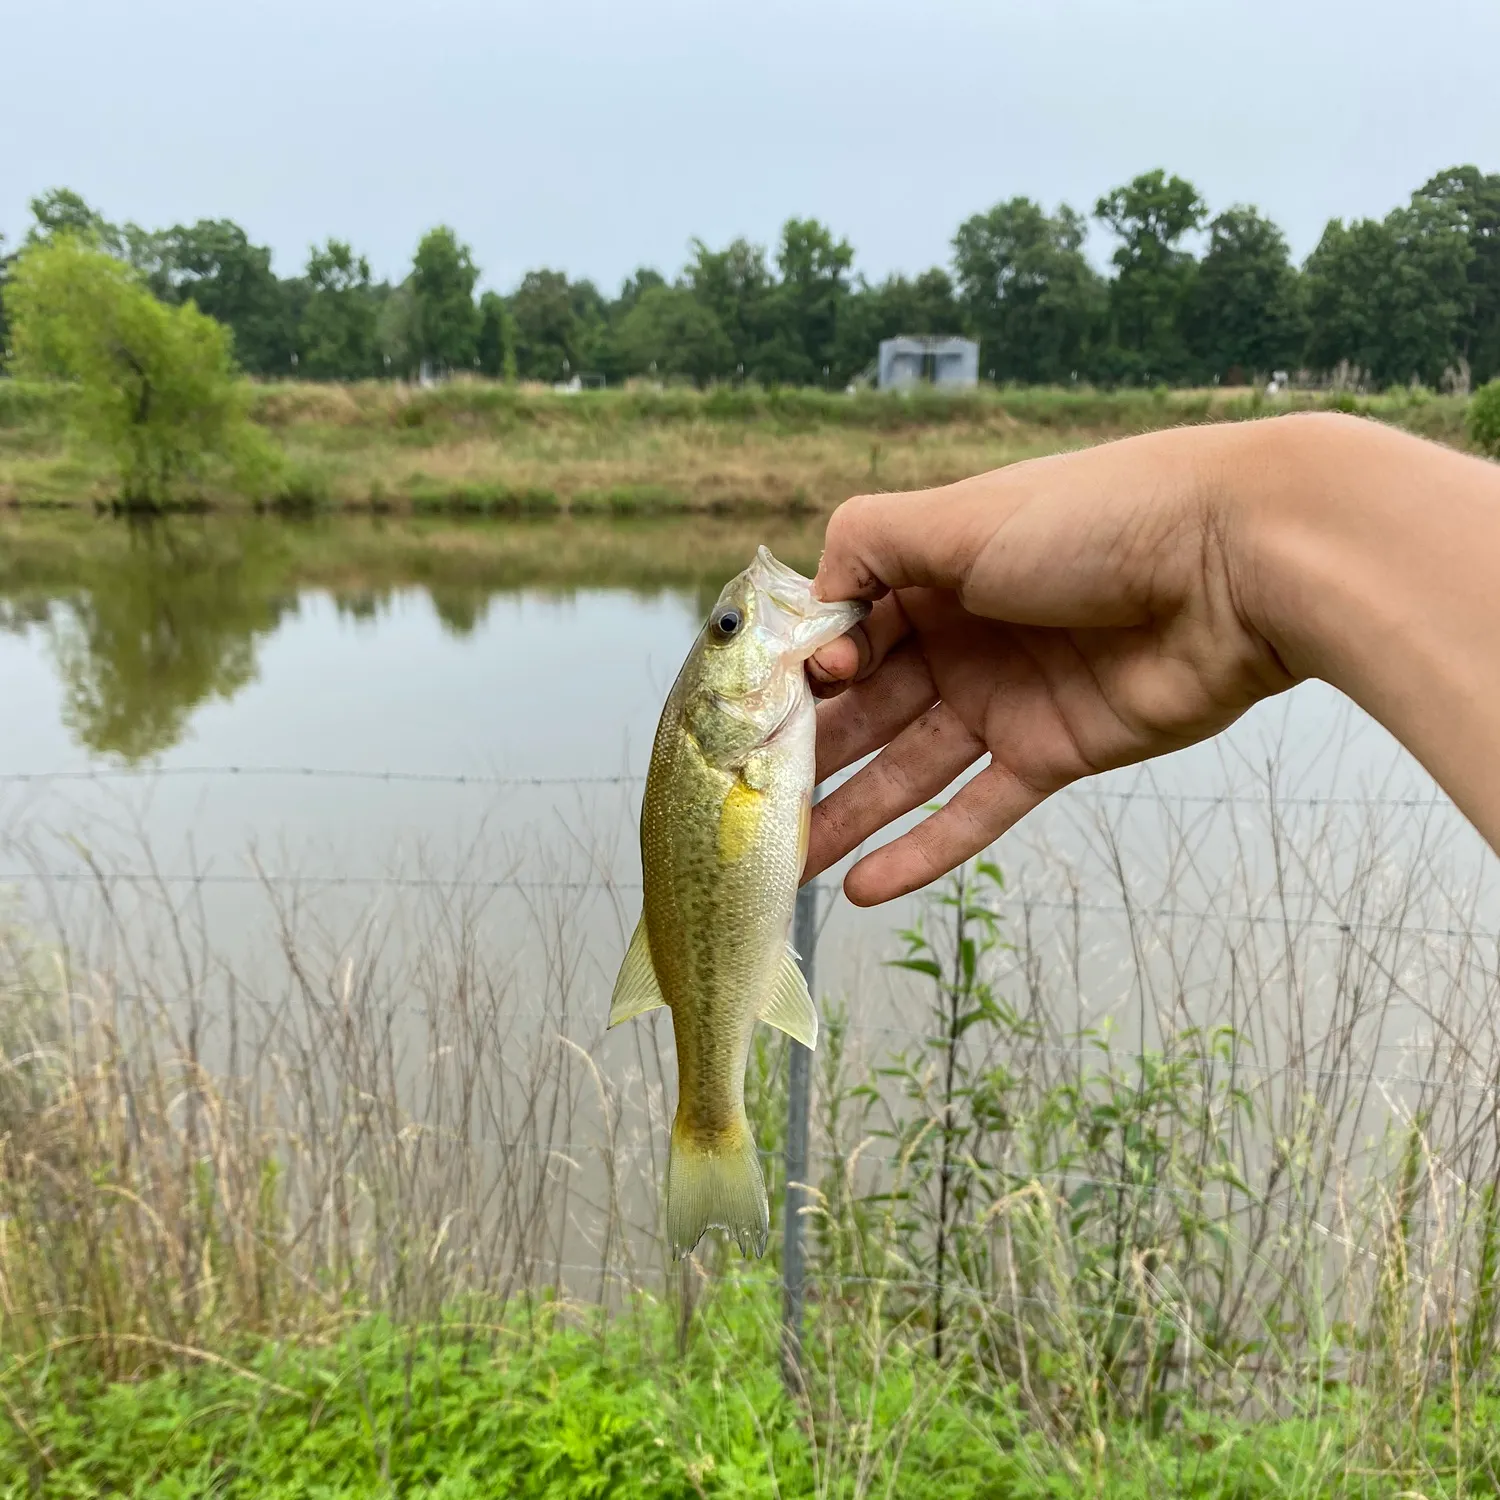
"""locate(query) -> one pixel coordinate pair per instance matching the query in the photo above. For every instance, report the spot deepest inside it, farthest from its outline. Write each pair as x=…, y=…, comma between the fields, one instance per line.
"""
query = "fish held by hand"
x=724, y=828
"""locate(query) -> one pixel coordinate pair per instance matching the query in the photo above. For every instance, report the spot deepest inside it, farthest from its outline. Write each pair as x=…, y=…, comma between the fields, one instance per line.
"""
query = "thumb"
x=920, y=538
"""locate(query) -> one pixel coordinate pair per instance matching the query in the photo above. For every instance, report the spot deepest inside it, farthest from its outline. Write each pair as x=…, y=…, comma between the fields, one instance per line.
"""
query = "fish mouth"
x=770, y=569
x=810, y=623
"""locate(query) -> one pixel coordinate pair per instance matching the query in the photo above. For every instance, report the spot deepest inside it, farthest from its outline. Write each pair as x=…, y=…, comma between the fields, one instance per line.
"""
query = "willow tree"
x=154, y=385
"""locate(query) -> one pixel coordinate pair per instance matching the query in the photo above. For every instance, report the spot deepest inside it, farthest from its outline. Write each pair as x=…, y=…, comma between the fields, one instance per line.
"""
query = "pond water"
x=353, y=718
x=362, y=703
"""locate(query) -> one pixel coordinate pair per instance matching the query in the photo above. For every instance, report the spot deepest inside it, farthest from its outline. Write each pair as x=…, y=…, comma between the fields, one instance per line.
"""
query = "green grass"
x=629, y=500
x=480, y=498
x=556, y=1405
x=477, y=447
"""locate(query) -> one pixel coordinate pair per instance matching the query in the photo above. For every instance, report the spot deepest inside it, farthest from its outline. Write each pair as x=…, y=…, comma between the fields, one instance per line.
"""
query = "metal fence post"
x=798, y=1106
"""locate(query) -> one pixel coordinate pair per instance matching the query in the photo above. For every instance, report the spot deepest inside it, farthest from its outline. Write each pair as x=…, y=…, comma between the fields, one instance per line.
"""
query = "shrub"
x=155, y=385
x=302, y=488
x=1484, y=419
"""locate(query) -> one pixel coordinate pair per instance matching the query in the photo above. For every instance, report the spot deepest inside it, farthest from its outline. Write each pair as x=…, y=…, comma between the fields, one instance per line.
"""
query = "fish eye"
x=726, y=624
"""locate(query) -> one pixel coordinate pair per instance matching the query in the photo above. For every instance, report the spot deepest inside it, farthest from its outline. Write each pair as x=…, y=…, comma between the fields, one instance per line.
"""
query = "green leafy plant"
x=1484, y=419
x=155, y=384
x=958, y=1100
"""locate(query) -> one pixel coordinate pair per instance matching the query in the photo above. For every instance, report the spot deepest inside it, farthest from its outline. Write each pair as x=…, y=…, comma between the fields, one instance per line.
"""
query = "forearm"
x=1371, y=559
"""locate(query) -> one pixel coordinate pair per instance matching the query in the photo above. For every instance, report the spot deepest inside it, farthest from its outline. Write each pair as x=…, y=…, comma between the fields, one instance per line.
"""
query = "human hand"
x=1064, y=617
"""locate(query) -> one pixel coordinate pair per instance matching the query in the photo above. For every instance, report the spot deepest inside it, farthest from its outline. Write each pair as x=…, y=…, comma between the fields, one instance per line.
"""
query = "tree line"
x=1190, y=298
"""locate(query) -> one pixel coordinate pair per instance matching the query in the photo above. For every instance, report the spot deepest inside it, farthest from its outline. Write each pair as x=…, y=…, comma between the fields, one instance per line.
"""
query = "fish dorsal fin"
x=790, y=1008
x=636, y=989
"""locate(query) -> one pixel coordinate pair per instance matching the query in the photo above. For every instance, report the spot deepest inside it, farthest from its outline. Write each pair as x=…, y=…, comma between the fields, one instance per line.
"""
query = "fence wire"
x=1150, y=795
x=876, y=1152
x=1173, y=913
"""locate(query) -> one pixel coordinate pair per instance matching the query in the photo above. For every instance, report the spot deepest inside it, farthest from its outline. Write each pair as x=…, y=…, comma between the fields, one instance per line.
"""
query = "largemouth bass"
x=724, y=827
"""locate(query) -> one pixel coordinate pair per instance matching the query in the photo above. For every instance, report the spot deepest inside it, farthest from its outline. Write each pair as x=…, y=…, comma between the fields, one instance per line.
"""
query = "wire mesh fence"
x=1167, y=1100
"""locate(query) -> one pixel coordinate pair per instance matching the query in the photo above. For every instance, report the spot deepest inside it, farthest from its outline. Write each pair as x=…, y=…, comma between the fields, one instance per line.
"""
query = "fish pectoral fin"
x=790, y=1008
x=636, y=988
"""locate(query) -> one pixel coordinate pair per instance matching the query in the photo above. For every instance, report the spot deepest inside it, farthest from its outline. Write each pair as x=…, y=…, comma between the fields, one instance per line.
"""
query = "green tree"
x=397, y=331
x=495, y=343
x=1249, y=314
x=633, y=288
x=1028, y=292
x=924, y=304
x=442, y=281
x=1391, y=298
x=735, y=285
x=806, y=305
x=1474, y=197
x=155, y=384
x=592, y=337
x=213, y=264
x=1344, y=276
x=671, y=332
x=1150, y=298
x=5, y=262
x=61, y=211
x=1431, y=301
x=602, y=349
x=546, y=325
x=337, y=336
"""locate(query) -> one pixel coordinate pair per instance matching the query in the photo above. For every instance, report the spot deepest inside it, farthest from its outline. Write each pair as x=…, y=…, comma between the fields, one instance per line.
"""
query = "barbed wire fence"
x=799, y=1154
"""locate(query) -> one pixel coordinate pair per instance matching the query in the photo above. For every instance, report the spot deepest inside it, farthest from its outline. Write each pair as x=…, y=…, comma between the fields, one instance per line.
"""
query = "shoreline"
x=478, y=448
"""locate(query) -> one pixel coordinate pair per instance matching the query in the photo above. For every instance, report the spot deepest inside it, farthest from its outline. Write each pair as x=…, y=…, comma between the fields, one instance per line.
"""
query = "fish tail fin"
x=716, y=1183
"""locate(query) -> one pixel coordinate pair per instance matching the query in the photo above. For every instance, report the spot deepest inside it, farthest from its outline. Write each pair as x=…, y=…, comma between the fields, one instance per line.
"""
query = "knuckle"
x=838, y=534
x=845, y=537
x=892, y=776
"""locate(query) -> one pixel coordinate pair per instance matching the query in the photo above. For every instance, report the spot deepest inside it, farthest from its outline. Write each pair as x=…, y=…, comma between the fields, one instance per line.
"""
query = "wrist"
x=1292, y=534
x=1365, y=557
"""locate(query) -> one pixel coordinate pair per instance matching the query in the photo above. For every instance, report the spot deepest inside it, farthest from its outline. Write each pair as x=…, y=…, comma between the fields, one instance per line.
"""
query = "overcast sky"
x=597, y=135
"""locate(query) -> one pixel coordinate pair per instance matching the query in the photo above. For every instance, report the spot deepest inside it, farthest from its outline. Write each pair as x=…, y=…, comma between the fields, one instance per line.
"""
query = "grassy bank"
x=473, y=447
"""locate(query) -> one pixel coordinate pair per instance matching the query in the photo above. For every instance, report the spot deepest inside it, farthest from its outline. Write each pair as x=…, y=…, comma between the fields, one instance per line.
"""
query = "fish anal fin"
x=636, y=989
x=790, y=1007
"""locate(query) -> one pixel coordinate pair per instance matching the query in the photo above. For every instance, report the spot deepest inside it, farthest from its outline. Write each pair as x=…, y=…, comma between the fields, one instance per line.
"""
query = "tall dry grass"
x=1218, y=1137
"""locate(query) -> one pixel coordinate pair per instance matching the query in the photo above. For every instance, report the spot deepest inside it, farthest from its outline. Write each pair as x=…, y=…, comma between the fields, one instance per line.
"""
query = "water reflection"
x=146, y=624
x=170, y=624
